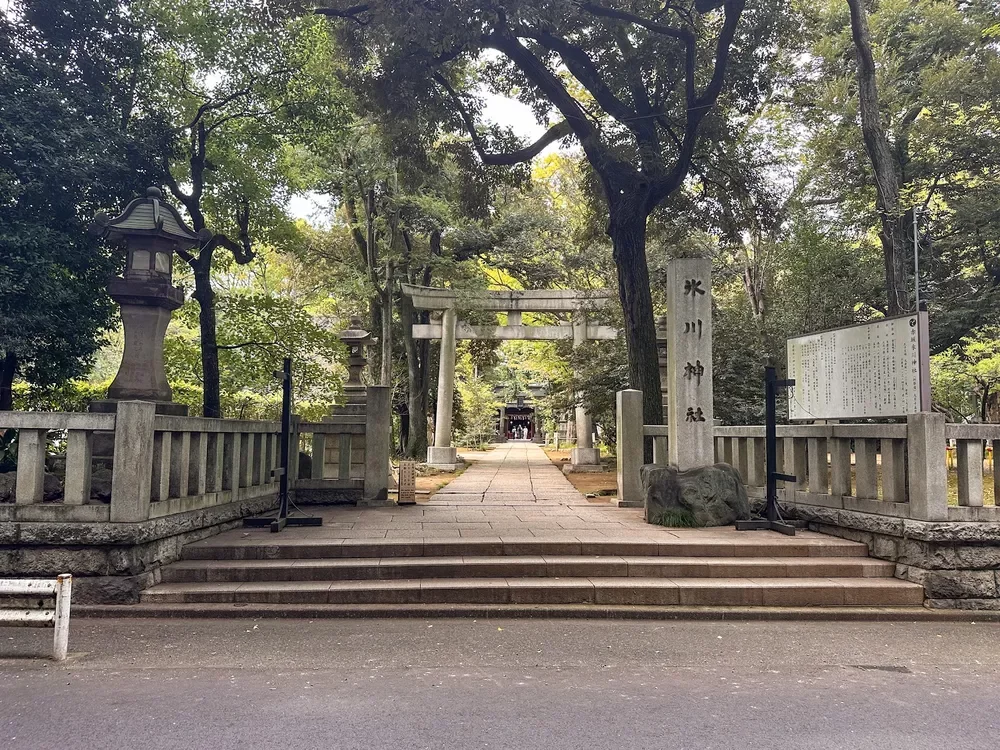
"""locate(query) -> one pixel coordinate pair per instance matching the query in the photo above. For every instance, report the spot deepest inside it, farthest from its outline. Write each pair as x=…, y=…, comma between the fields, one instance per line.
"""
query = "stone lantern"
x=355, y=338
x=151, y=231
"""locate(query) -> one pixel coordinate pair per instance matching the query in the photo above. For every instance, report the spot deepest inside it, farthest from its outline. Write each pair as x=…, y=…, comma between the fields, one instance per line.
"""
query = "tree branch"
x=699, y=106
x=621, y=15
x=553, y=134
x=351, y=13
x=584, y=70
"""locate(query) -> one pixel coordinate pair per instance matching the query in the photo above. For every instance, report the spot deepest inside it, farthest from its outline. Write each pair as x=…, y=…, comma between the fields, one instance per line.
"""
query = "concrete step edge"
x=566, y=611
x=393, y=568
x=362, y=548
x=596, y=590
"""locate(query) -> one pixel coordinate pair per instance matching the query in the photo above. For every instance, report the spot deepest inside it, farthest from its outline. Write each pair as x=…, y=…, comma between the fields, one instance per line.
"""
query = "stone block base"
x=112, y=563
x=582, y=469
x=958, y=564
x=445, y=459
x=585, y=457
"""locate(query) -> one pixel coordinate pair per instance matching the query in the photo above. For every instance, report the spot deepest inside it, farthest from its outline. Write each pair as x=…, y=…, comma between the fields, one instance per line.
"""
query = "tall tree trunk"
x=211, y=383
x=8, y=368
x=884, y=165
x=417, y=353
x=386, y=295
x=375, y=352
x=627, y=230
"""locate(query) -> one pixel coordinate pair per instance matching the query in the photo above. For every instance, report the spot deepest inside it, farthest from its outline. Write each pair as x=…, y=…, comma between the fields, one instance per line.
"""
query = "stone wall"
x=958, y=564
x=112, y=562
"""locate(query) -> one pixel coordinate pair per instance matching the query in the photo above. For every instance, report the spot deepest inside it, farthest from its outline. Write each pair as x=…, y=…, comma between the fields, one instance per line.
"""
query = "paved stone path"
x=511, y=474
x=510, y=493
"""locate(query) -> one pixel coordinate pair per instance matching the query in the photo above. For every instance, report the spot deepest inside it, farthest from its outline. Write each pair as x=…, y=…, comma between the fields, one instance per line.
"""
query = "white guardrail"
x=59, y=588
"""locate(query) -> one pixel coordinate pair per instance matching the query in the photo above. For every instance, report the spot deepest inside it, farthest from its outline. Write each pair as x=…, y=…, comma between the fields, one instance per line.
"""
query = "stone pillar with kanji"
x=690, y=412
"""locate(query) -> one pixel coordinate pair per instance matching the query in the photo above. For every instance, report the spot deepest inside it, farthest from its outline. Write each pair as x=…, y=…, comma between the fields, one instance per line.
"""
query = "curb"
x=567, y=611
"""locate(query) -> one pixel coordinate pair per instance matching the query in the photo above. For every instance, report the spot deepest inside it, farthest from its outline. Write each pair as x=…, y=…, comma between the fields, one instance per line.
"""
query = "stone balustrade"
x=197, y=463
x=66, y=499
x=158, y=465
x=897, y=470
x=886, y=485
x=112, y=497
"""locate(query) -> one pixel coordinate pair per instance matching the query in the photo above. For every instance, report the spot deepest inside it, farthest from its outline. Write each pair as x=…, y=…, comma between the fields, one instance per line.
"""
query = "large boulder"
x=707, y=496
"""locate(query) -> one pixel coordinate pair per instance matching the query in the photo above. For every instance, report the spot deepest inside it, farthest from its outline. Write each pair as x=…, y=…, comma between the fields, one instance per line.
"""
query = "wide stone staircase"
x=290, y=576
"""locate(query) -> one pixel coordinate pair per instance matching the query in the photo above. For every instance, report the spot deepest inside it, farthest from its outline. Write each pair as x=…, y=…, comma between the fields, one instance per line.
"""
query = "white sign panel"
x=877, y=369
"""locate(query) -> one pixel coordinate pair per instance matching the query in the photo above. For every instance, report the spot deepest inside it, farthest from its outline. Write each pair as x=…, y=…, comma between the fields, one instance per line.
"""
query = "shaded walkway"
x=511, y=474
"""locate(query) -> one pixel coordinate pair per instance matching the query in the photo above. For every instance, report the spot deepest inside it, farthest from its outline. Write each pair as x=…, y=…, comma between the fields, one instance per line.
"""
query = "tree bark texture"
x=8, y=368
x=207, y=325
x=386, y=298
x=627, y=230
x=417, y=355
x=884, y=165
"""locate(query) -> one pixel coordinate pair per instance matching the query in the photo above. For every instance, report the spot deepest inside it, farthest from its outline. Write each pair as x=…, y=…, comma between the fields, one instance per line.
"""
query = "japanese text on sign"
x=867, y=371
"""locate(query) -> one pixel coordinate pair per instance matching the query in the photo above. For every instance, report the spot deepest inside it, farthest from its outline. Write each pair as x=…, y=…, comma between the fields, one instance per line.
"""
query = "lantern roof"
x=355, y=335
x=148, y=216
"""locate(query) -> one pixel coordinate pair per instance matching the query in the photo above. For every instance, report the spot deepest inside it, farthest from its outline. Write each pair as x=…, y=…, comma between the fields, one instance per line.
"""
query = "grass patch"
x=676, y=519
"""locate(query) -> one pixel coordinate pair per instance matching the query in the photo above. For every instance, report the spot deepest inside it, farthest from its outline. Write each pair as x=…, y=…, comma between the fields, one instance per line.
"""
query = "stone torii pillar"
x=442, y=455
x=584, y=457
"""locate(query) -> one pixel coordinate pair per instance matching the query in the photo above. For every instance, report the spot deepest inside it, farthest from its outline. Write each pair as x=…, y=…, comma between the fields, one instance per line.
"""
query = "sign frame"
x=923, y=367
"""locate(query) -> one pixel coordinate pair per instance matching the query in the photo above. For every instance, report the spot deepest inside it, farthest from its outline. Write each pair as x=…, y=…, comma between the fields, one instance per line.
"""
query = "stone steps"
x=512, y=574
x=304, y=548
x=753, y=592
x=403, y=568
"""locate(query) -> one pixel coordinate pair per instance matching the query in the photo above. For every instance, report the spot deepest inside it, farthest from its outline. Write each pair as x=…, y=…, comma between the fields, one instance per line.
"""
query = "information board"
x=877, y=369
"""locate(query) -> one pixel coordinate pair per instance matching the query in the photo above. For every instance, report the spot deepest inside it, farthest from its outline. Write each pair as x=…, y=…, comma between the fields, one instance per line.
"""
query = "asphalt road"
x=503, y=684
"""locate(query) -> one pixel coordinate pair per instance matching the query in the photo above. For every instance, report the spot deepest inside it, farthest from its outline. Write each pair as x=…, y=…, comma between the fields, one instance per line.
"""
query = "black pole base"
x=277, y=524
x=782, y=527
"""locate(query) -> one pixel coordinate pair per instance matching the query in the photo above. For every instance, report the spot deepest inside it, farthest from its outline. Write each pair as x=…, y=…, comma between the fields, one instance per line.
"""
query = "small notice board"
x=877, y=369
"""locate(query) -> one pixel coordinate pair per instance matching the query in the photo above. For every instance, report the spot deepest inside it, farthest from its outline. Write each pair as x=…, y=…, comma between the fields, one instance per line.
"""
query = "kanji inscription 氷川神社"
x=689, y=350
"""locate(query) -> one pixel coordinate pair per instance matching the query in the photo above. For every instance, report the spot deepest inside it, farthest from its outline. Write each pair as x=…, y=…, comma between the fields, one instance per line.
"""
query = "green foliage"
x=939, y=84
x=65, y=153
x=257, y=330
x=477, y=402
x=965, y=379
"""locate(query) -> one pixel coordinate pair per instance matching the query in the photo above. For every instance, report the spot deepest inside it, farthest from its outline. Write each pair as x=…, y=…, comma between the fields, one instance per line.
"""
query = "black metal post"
x=283, y=520
x=286, y=433
x=772, y=520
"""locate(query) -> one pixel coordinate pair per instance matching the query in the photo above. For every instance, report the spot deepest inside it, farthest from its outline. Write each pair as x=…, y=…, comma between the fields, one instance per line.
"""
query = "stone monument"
x=151, y=231
x=690, y=412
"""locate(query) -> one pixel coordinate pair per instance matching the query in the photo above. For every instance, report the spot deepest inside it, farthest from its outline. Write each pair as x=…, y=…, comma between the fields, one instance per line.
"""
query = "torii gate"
x=514, y=303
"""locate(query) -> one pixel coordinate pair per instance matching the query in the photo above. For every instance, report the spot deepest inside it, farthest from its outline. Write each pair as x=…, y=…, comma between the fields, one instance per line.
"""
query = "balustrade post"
x=795, y=452
x=756, y=462
x=79, y=458
x=30, y=482
x=865, y=469
x=819, y=477
x=970, y=473
x=318, y=455
x=840, y=467
x=132, y=473
x=378, y=429
x=630, y=434
x=928, y=473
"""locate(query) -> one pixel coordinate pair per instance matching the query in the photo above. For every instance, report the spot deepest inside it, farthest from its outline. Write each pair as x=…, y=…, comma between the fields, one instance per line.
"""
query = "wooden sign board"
x=877, y=369
x=407, y=483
